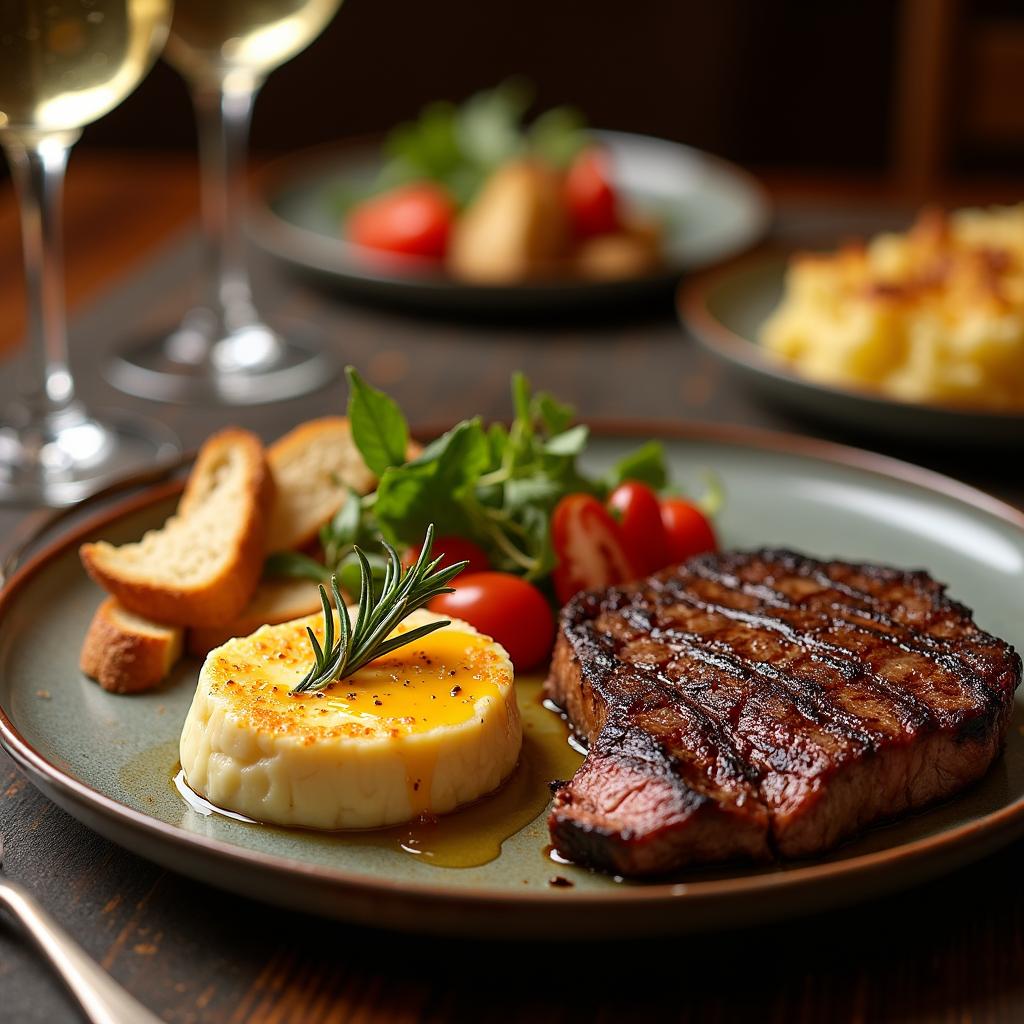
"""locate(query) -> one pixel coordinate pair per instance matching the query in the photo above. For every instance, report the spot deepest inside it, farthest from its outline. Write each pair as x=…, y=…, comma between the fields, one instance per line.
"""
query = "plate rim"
x=996, y=825
x=693, y=309
x=284, y=240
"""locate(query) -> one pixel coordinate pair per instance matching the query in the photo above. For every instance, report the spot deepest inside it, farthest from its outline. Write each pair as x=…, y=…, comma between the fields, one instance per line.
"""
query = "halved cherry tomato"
x=414, y=220
x=453, y=549
x=688, y=530
x=589, y=195
x=589, y=547
x=505, y=607
x=638, y=511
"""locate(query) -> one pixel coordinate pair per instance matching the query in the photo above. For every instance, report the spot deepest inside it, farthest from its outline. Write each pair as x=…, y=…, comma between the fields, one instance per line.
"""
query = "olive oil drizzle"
x=473, y=835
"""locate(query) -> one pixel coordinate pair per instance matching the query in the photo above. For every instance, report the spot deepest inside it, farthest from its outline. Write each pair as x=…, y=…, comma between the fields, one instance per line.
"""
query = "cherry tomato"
x=638, y=511
x=589, y=547
x=589, y=195
x=414, y=220
x=689, y=532
x=505, y=607
x=454, y=549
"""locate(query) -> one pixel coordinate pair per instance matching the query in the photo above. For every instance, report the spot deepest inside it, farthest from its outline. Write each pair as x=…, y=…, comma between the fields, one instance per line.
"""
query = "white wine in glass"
x=223, y=351
x=63, y=64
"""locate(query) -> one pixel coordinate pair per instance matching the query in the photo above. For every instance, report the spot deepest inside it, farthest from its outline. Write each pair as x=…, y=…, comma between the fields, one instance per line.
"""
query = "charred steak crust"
x=759, y=704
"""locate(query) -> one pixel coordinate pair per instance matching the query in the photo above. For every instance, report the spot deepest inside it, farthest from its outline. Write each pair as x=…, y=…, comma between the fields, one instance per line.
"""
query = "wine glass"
x=63, y=64
x=223, y=351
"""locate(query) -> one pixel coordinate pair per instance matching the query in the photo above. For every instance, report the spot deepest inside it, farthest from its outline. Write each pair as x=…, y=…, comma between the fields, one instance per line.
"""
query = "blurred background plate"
x=724, y=310
x=711, y=210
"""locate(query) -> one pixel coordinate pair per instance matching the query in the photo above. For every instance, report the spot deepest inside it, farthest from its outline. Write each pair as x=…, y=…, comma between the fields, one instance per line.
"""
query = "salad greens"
x=496, y=486
x=458, y=146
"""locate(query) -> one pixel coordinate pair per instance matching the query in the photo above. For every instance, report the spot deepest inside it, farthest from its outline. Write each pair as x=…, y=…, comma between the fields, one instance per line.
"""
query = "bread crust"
x=298, y=514
x=292, y=526
x=126, y=659
x=219, y=599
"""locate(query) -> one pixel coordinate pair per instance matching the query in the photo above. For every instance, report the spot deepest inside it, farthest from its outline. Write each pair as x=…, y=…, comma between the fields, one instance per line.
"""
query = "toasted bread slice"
x=202, y=566
x=314, y=466
x=125, y=653
x=275, y=601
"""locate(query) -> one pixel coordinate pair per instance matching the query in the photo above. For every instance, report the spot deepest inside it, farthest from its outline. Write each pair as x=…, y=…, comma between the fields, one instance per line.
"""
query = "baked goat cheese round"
x=421, y=731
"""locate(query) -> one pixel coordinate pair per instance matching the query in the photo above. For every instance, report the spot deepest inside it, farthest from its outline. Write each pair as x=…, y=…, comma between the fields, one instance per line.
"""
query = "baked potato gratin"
x=932, y=315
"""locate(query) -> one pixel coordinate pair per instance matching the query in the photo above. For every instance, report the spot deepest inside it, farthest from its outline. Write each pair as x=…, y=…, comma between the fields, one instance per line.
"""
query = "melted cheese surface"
x=423, y=730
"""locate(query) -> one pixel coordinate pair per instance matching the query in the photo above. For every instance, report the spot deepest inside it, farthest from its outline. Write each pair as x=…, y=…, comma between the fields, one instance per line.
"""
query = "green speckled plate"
x=710, y=210
x=109, y=760
x=725, y=310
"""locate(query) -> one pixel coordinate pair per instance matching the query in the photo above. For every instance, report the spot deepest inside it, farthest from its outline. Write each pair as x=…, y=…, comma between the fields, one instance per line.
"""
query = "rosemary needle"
x=370, y=638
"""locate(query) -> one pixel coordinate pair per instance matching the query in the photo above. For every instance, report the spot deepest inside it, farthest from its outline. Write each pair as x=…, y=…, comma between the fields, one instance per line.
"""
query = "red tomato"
x=505, y=607
x=589, y=195
x=414, y=220
x=643, y=534
x=689, y=532
x=589, y=547
x=454, y=549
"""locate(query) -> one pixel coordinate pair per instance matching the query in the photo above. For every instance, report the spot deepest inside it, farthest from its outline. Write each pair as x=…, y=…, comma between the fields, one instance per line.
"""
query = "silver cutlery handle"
x=101, y=998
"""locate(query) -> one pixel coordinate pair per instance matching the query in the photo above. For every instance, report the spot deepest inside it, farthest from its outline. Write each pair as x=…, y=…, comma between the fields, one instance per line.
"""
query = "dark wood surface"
x=952, y=951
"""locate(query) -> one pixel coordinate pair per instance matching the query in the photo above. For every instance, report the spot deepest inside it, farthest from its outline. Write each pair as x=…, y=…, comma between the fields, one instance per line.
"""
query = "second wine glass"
x=223, y=351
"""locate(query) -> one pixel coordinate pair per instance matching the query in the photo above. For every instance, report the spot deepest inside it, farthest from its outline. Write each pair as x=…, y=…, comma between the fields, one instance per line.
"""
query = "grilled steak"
x=751, y=705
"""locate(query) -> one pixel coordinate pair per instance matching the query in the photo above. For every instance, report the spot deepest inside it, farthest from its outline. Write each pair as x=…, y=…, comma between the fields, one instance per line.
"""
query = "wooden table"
x=951, y=951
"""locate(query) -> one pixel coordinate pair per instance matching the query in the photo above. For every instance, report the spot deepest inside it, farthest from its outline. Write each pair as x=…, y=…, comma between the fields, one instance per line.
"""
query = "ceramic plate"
x=711, y=210
x=725, y=311
x=109, y=760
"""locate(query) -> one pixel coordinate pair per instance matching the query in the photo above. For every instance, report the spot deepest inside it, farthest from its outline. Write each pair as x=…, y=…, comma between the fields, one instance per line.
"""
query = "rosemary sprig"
x=402, y=594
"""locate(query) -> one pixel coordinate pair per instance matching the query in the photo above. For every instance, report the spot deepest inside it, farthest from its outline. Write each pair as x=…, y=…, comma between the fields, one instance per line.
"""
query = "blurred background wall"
x=909, y=89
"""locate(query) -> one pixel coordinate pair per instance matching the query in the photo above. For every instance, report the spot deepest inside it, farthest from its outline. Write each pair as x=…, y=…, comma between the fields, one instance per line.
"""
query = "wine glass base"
x=71, y=454
x=251, y=367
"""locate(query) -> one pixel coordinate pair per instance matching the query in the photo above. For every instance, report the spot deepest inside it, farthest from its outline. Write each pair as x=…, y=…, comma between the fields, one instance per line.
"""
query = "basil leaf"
x=536, y=520
x=296, y=566
x=646, y=465
x=344, y=527
x=521, y=399
x=570, y=442
x=343, y=530
x=497, y=438
x=554, y=416
x=350, y=575
x=530, y=491
x=436, y=488
x=378, y=426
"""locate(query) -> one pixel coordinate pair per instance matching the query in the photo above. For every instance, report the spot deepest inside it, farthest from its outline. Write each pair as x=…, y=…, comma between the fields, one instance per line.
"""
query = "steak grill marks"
x=783, y=665
x=939, y=651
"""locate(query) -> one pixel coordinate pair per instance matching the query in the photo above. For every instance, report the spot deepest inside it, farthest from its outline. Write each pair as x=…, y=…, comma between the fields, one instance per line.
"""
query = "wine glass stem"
x=223, y=114
x=37, y=168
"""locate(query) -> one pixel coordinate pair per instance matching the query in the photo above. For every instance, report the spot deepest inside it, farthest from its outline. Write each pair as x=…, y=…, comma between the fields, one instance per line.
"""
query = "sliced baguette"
x=314, y=466
x=125, y=653
x=275, y=601
x=202, y=566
